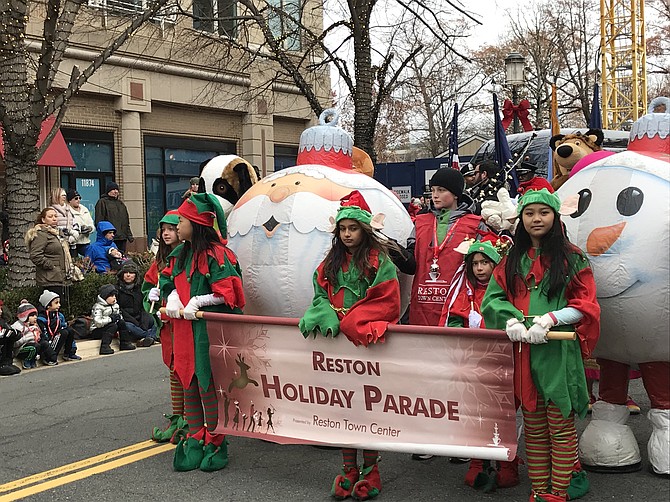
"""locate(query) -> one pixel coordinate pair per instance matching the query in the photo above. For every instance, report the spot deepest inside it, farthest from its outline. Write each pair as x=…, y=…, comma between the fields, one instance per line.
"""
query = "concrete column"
x=132, y=176
x=258, y=137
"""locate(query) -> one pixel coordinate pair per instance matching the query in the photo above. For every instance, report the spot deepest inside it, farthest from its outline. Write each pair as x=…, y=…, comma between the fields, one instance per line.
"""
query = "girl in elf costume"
x=356, y=291
x=201, y=274
x=546, y=282
x=167, y=242
x=464, y=310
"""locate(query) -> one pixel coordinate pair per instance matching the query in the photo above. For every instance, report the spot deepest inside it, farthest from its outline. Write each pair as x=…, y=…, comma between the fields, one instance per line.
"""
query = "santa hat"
x=539, y=197
x=354, y=207
x=204, y=209
x=25, y=310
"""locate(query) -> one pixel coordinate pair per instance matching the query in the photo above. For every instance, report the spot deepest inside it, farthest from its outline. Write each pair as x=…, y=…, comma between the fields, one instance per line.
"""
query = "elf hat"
x=204, y=209
x=354, y=207
x=171, y=218
x=539, y=197
x=47, y=297
x=486, y=248
x=25, y=310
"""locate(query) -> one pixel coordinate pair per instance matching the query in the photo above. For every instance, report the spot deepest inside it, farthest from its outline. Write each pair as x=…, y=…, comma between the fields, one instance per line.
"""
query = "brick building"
x=173, y=97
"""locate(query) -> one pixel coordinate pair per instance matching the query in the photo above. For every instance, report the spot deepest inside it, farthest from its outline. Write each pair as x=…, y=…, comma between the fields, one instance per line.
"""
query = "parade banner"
x=429, y=390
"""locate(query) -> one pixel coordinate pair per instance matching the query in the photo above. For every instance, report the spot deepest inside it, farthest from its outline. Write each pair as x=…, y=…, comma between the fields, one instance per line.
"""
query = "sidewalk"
x=88, y=350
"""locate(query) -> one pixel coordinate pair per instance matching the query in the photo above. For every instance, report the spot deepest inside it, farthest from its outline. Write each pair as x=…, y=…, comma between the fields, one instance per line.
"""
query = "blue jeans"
x=138, y=333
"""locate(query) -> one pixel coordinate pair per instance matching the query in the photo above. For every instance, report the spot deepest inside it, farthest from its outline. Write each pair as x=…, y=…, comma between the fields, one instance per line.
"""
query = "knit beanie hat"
x=449, y=178
x=107, y=290
x=194, y=181
x=129, y=266
x=539, y=197
x=111, y=186
x=71, y=194
x=47, y=297
x=24, y=310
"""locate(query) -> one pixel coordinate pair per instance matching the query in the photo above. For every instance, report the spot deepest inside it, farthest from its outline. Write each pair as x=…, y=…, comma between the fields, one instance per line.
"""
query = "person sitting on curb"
x=98, y=252
x=55, y=330
x=29, y=346
x=8, y=337
x=131, y=302
x=107, y=321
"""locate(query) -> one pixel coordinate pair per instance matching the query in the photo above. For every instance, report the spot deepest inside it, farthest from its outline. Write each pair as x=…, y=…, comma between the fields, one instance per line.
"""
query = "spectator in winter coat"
x=54, y=328
x=107, y=321
x=131, y=302
x=69, y=229
x=28, y=346
x=112, y=209
x=82, y=217
x=98, y=252
x=8, y=337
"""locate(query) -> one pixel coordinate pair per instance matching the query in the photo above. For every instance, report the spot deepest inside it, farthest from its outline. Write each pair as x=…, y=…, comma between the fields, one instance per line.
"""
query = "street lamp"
x=514, y=77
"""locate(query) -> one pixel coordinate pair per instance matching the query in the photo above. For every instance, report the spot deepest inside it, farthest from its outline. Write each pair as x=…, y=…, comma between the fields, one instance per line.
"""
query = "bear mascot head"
x=568, y=149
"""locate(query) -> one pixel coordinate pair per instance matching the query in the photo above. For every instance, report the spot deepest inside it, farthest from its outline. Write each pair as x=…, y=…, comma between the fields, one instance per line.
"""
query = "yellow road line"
x=13, y=485
x=108, y=466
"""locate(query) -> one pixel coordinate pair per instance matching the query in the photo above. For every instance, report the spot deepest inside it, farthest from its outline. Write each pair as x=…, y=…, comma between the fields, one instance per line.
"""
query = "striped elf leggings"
x=551, y=447
x=176, y=394
x=199, y=406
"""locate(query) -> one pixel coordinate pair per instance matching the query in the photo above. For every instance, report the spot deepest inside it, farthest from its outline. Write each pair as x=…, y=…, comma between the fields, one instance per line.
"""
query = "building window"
x=285, y=156
x=169, y=163
x=284, y=22
x=215, y=16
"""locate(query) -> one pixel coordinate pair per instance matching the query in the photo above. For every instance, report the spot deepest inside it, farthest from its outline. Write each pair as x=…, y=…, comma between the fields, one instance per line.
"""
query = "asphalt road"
x=53, y=417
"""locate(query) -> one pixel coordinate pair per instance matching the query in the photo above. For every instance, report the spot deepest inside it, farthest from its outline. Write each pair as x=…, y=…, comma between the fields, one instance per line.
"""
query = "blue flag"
x=453, y=139
x=502, y=152
x=596, y=120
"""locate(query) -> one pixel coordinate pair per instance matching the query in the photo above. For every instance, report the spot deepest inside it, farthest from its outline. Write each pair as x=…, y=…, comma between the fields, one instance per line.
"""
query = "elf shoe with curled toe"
x=189, y=452
x=215, y=454
x=163, y=436
x=181, y=431
x=546, y=497
x=370, y=484
x=344, y=483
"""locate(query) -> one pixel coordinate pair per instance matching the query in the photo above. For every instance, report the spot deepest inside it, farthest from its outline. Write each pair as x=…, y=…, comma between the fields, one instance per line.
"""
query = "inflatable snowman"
x=619, y=209
x=280, y=228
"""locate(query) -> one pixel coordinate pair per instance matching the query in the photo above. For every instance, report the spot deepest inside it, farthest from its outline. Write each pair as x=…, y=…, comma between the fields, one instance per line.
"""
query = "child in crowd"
x=546, y=282
x=107, y=321
x=357, y=270
x=8, y=336
x=116, y=259
x=98, y=252
x=167, y=242
x=131, y=302
x=55, y=330
x=202, y=274
x=28, y=346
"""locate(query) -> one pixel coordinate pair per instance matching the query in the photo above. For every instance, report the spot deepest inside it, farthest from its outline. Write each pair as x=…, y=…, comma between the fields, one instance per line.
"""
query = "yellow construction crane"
x=624, y=62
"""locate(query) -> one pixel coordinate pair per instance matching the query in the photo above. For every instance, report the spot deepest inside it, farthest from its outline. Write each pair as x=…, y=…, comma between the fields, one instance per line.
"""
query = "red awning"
x=57, y=154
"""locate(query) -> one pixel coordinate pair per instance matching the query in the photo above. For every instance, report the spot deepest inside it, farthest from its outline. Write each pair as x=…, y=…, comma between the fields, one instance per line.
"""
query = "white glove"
x=538, y=331
x=516, y=331
x=173, y=305
x=197, y=302
x=154, y=295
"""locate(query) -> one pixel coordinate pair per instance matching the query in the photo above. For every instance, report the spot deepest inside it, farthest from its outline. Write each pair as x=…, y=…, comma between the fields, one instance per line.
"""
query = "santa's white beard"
x=277, y=271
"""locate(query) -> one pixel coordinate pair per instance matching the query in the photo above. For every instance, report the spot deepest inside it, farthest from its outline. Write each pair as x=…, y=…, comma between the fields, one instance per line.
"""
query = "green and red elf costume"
x=549, y=379
x=360, y=305
x=178, y=426
x=210, y=281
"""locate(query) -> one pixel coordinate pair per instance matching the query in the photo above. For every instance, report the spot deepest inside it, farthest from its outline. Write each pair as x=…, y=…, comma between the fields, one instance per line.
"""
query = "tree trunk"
x=21, y=130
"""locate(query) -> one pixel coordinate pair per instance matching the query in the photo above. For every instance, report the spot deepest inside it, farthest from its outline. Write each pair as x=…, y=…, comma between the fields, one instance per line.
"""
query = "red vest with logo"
x=428, y=295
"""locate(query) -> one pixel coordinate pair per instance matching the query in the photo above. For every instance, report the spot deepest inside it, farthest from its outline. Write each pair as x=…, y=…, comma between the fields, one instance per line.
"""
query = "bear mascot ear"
x=596, y=136
x=244, y=175
x=555, y=139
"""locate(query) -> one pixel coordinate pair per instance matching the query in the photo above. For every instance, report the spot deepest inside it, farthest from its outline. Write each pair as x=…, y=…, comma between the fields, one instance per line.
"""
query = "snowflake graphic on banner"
x=251, y=345
x=478, y=373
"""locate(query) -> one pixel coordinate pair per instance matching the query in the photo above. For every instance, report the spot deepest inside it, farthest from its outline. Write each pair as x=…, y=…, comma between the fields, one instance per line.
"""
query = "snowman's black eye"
x=629, y=201
x=584, y=201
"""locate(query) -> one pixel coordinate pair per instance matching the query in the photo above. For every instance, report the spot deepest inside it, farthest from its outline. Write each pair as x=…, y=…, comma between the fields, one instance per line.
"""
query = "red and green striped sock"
x=349, y=457
x=176, y=395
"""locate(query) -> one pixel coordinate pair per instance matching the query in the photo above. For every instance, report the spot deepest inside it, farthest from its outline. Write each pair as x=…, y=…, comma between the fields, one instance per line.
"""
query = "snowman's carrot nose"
x=601, y=239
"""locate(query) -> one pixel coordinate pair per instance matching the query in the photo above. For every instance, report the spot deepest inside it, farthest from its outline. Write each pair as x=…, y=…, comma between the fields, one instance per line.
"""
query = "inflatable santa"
x=280, y=228
x=619, y=212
